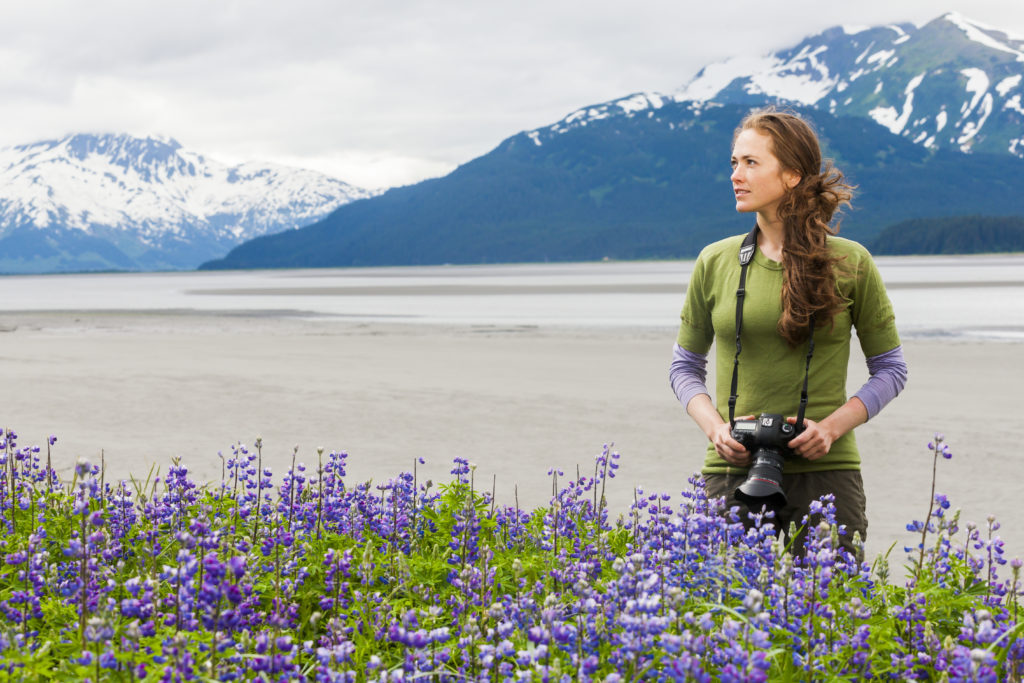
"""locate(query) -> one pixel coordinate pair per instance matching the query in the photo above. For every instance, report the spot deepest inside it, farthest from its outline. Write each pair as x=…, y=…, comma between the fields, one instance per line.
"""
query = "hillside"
x=626, y=187
x=952, y=235
x=118, y=202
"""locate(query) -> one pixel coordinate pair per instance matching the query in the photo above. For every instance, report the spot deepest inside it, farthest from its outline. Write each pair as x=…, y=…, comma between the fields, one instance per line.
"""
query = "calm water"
x=966, y=296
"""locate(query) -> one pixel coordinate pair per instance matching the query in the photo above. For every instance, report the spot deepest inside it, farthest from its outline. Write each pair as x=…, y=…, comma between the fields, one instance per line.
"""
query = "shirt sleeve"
x=872, y=311
x=888, y=377
x=688, y=374
x=696, y=331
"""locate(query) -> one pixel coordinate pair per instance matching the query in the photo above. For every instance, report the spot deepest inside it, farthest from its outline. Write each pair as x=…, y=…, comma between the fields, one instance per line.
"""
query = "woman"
x=800, y=274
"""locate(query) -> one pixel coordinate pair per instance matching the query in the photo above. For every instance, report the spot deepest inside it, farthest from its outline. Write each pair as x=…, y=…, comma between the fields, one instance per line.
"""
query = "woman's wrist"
x=851, y=414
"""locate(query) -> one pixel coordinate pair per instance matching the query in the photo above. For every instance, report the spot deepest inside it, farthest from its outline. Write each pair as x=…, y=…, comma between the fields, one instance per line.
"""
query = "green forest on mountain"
x=952, y=235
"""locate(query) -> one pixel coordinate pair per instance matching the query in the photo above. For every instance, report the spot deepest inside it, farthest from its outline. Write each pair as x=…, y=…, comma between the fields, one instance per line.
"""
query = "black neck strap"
x=746, y=256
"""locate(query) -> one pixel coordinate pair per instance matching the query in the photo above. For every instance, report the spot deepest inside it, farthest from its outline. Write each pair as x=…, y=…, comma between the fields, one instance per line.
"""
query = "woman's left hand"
x=814, y=442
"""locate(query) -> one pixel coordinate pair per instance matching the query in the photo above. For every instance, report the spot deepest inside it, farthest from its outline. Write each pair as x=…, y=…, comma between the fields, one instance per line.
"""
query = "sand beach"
x=141, y=388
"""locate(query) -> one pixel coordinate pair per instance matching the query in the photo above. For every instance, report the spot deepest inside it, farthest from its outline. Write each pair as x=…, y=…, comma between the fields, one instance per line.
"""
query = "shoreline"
x=518, y=400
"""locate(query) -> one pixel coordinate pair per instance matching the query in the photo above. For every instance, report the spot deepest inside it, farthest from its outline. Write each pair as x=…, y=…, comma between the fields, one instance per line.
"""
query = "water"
x=969, y=297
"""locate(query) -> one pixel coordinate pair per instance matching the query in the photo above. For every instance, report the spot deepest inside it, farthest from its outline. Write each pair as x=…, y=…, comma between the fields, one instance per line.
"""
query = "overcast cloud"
x=380, y=92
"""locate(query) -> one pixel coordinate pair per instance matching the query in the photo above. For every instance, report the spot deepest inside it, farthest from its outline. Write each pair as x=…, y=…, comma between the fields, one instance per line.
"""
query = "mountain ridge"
x=875, y=73
x=619, y=188
x=928, y=120
x=157, y=204
x=646, y=175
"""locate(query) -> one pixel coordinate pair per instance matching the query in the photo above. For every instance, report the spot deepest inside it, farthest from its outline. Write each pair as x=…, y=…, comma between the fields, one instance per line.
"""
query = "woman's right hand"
x=718, y=430
x=728, y=448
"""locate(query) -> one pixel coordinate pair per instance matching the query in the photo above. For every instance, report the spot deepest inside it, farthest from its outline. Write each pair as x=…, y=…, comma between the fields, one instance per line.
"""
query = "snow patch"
x=881, y=56
x=977, y=83
x=940, y=120
x=864, y=54
x=889, y=117
x=802, y=79
x=639, y=102
x=972, y=128
x=714, y=78
x=1007, y=84
x=1014, y=104
x=886, y=116
x=535, y=136
x=575, y=116
x=979, y=33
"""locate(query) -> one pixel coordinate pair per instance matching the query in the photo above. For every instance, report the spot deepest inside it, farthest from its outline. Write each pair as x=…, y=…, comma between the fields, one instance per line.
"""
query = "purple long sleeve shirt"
x=688, y=375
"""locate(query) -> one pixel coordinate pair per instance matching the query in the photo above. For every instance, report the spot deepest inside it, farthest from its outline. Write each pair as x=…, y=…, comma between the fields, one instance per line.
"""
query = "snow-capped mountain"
x=89, y=202
x=950, y=84
x=647, y=176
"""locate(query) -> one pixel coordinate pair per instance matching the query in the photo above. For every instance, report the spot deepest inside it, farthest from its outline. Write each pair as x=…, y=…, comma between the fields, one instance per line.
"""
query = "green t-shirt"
x=771, y=374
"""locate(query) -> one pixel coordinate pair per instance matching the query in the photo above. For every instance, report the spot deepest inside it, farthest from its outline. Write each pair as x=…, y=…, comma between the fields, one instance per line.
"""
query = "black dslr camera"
x=767, y=437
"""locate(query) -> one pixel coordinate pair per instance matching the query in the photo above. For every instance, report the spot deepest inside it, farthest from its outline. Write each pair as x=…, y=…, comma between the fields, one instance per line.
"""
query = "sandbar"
x=140, y=389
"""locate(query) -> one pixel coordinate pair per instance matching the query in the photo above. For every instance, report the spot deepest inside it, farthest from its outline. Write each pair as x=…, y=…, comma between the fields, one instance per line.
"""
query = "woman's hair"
x=809, y=286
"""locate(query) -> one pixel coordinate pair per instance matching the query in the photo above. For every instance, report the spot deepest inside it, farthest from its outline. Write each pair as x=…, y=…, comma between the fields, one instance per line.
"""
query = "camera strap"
x=746, y=255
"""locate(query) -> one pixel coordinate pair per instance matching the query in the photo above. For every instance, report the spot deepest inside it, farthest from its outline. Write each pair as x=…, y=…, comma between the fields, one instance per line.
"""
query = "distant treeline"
x=952, y=235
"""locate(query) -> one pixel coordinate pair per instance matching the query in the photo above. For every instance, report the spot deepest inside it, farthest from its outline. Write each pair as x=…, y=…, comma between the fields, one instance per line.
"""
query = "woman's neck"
x=772, y=238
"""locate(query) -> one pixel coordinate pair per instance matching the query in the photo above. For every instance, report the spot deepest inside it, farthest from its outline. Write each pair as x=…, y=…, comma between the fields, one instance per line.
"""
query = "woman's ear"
x=791, y=178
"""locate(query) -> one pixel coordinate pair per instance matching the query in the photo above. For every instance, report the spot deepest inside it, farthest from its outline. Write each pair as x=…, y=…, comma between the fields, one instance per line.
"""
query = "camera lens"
x=763, y=487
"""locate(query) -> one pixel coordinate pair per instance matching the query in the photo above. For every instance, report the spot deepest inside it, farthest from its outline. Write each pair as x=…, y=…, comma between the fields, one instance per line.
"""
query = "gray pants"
x=801, y=490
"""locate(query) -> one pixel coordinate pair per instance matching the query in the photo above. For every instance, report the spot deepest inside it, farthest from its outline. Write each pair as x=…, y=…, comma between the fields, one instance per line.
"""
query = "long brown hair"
x=809, y=285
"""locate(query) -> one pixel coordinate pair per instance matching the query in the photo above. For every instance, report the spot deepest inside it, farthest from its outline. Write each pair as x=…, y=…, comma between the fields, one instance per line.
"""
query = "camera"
x=767, y=437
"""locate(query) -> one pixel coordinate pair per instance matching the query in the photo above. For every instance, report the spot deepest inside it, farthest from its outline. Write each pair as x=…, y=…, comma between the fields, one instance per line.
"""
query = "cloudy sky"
x=380, y=92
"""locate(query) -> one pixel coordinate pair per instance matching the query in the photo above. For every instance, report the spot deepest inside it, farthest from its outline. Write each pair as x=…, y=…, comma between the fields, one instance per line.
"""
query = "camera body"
x=767, y=438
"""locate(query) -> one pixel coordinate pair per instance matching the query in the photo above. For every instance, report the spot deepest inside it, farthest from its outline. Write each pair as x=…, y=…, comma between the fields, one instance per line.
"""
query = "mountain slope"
x=926, y=121
x=951, y=84
x=153, y=204
x=952, y=235
x=650, y=186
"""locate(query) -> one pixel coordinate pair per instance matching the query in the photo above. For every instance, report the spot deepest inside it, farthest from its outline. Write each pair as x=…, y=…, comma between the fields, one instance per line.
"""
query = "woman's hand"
x=718, y=431
x=814, y=442
x=728, y=448
x=818, y=437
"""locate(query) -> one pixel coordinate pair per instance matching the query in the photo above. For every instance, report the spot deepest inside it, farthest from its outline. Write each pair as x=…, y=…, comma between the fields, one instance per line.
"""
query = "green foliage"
x=344, y=583
x=952, y=235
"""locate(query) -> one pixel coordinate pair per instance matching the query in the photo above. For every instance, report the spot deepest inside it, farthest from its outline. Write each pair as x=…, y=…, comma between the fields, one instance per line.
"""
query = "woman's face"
x=758, y=179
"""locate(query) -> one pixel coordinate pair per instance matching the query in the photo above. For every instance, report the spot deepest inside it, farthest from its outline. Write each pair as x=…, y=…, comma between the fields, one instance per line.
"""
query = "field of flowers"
x=315, y=578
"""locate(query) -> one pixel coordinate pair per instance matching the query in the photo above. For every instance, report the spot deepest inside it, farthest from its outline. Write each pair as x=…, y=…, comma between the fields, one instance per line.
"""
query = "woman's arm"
x=818, y=437
x=717, y=430
x=687, y=374
x=888, y=377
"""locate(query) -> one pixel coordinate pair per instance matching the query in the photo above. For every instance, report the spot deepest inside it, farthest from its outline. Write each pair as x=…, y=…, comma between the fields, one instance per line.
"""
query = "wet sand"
x=143, y=388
